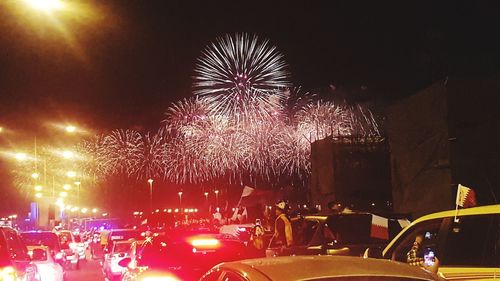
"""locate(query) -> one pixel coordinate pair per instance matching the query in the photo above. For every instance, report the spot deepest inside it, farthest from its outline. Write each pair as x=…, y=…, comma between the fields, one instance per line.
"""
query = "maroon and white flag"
x=466, y=197
x=380, y=227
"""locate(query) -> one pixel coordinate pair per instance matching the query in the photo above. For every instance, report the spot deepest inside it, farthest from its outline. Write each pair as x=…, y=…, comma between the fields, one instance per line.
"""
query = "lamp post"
x=150, y=181
x=77, y=183
x=206, y=197
x=180, y=199
x=216, y=197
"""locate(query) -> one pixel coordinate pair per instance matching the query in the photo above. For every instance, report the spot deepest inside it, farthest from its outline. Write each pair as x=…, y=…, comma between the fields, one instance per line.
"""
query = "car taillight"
x=205, y=242
x=160, y=278
x=7, y=273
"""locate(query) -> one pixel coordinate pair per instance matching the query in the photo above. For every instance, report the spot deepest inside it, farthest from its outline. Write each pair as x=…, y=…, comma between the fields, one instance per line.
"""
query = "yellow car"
x=321, y=268
x=466, y=243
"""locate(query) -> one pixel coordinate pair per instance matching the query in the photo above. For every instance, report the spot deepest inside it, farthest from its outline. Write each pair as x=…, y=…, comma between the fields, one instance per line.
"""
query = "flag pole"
x=456, y=203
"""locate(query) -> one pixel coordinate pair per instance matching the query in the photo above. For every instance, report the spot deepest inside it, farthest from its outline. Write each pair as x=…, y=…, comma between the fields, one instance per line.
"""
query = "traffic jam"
x=288, y=245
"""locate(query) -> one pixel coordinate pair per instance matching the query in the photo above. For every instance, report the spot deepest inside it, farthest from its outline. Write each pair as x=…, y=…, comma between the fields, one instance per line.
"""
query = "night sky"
x=120, y=64
x=128, y=60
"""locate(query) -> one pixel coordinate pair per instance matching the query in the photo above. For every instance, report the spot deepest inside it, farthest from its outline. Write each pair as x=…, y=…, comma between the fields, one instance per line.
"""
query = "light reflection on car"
x=335, y=268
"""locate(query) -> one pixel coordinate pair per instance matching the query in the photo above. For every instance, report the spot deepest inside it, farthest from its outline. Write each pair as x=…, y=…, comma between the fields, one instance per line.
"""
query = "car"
x=339, y=234
x=465, y=241
x=48, y=239
x=48, y=268
x=112, y=270
x=120, y=235
x=185, y=255
x=317, y=268
x=15, y=262
x=242, y=231
x=69, y=246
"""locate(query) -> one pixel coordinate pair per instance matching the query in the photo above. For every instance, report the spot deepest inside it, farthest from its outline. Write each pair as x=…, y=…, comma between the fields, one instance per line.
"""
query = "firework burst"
x=122, y=150
x=236, y=71
x=151, y=157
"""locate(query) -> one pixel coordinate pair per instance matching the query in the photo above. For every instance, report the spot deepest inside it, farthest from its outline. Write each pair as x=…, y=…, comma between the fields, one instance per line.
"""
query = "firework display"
x=244, y=120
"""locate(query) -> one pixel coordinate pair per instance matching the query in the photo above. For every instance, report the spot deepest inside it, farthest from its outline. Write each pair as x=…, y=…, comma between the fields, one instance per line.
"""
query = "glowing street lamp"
x=21, y=156
x=70, y=129
x=35, y=175
x=217, y=197
x=38, y=188
x=67, y=187
x=206, y=197
x=180, y=198
x=150, y=181
x=45, y=5
x=38, y=195
x=63, y=194
x=67, y=154
x=71, y=174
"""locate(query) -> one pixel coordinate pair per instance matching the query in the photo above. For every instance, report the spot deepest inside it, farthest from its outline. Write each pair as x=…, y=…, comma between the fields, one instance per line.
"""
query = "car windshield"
x=48, y=239
x=121, y=247
x=153, y=253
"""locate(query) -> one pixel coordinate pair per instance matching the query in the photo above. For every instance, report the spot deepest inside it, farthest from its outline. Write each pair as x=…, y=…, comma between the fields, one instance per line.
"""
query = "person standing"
x=283, y=235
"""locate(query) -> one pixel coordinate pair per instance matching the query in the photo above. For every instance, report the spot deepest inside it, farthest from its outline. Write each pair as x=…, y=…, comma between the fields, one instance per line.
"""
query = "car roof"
x=37, y=247
x=124, y=241
x=124, y=229
x=309, y=267
x=490, y=209
x=483, y=210
x=38, y=232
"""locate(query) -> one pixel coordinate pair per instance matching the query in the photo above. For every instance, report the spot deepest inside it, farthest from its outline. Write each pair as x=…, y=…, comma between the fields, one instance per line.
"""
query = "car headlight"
x=8, y=273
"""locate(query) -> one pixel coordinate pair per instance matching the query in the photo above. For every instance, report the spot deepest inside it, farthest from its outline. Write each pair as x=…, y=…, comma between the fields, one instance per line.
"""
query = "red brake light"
x=205, y=242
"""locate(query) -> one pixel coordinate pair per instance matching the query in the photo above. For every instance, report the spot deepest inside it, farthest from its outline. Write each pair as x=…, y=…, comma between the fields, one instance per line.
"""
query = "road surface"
x=90, y=270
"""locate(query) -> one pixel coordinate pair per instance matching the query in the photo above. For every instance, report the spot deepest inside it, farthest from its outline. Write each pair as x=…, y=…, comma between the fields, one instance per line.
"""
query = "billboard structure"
x=353, y=171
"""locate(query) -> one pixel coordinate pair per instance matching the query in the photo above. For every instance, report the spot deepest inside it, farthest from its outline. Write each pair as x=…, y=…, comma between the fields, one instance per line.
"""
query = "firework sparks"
x=237, y=71
x=151, y=158
x=122, y=149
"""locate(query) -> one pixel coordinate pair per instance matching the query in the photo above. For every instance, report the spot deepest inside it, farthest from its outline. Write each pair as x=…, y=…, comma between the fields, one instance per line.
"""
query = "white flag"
x=247, y=190
x=235, y=214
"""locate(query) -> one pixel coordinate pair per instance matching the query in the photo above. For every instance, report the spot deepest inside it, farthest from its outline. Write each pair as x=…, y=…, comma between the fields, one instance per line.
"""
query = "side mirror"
x=375, y=253
x=39, y=255
x=124, y=262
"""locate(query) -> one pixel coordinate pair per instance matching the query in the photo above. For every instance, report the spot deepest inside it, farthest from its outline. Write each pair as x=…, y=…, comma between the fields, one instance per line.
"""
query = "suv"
x=110, y=266
x=46, y=238
x=14, y=259
x=467, y=246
